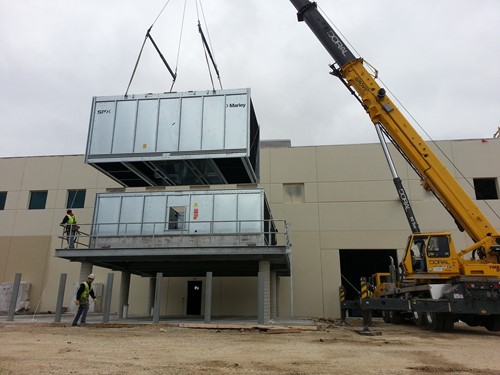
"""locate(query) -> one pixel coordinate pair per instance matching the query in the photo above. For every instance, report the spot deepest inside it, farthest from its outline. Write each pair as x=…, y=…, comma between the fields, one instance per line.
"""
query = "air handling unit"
x=229, y=232
x=214, y=217
x=188, y=138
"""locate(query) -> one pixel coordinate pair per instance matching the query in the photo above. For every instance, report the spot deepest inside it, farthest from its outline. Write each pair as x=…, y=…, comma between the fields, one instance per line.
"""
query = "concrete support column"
x=208, y=297
x=264, y=294
x=85, y=270
x=123, y=296
x=151, y=296
x=157, y=303
x=13, y=297
x=273, y=299
x=60, y=297
x=107, y=299
x=278, y=299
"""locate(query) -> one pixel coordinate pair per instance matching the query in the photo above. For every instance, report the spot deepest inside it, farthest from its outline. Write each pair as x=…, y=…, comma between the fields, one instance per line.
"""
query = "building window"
x=38, y=199
x=293, y=193
x=486, y=188
x=76, y=199
x=3, y=198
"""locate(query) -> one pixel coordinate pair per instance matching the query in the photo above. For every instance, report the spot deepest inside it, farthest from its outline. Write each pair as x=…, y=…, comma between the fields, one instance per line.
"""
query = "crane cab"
x=430, y=255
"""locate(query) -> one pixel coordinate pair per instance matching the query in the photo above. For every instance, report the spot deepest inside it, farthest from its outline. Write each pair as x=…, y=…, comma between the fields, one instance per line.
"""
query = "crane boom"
x=382, y=111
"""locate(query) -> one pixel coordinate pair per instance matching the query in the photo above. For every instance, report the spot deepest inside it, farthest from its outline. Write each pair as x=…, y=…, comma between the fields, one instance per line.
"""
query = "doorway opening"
x=355, y=264
x=194, y=298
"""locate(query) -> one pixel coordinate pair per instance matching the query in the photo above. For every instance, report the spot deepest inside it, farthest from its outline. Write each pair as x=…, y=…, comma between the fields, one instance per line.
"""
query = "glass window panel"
x=438, y=247
x=3, y=198
x=486, y=188
x=38, y=199
x=76, y=198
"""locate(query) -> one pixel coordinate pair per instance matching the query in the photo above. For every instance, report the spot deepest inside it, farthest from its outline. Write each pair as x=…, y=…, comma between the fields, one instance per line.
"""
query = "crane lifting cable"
x=150, y=37
x=206, y=47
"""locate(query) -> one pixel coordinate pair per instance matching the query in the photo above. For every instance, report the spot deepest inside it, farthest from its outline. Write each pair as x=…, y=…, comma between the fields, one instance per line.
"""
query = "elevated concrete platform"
x=182, y=261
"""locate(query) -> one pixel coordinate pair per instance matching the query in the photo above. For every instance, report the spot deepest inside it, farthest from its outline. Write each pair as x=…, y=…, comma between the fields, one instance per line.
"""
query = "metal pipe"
x=403, y=197
x=387, y=154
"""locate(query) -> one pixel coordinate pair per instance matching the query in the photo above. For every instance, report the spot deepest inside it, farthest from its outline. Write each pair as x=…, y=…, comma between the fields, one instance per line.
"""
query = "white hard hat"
x=91, y=276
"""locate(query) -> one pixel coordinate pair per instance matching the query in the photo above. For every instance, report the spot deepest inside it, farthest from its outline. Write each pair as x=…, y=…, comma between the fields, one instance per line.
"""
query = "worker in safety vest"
x=83, y=295
x=70, y=228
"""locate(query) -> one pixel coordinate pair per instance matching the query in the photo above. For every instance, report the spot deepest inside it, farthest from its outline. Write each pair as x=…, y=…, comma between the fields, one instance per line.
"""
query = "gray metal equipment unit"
x=189, y=138
x=184, y=233
x=228, y=217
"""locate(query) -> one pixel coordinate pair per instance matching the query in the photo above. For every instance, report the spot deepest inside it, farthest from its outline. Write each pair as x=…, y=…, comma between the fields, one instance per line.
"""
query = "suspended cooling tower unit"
x=189, y=138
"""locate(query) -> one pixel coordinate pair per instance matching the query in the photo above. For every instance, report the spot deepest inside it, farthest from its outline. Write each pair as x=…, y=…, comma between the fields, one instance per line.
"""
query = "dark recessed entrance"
x=355, y=264
x=194, y=298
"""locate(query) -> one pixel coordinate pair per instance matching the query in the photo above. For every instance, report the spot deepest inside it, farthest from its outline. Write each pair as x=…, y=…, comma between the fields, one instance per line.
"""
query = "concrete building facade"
x=340, y=201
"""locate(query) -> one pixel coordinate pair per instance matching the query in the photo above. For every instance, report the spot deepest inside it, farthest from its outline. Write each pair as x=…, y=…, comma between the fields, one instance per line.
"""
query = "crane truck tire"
x=439, y=321
x=493, y=323
x=394, y=317
x=386, y=316
x=419, y=318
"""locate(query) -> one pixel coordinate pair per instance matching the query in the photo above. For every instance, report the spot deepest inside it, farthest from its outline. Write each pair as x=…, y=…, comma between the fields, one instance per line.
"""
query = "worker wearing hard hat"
x=83, y=300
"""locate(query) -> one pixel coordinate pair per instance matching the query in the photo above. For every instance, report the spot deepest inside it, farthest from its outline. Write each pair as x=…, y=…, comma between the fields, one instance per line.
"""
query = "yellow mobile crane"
x=437, y=285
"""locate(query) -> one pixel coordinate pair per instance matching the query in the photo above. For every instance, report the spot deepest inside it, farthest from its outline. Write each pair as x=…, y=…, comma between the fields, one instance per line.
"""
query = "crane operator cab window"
x=424, y=247
x=438, y=247
x=418, y=253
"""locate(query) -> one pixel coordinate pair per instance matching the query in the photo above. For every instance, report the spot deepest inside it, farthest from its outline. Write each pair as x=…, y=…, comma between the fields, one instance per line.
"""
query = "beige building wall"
x=334, y=197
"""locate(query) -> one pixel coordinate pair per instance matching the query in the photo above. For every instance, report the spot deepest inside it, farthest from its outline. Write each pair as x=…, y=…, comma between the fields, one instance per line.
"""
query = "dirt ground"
x=163, y=349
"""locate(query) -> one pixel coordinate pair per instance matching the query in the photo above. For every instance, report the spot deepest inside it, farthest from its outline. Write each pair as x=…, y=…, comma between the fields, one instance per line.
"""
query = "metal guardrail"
x=235, y=233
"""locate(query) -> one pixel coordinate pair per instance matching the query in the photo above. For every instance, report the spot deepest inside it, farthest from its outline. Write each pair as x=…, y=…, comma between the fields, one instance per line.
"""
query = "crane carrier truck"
x=435, y=284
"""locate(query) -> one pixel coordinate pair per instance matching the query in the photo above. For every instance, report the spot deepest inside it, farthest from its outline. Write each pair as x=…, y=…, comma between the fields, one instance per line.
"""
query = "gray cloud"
x=439, y=58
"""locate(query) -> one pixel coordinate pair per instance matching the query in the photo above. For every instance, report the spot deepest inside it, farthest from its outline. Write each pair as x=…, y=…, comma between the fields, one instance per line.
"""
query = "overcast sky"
x=441, y=58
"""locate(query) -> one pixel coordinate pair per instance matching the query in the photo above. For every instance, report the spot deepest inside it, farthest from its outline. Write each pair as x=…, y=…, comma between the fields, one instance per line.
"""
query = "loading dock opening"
x=355, y=264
